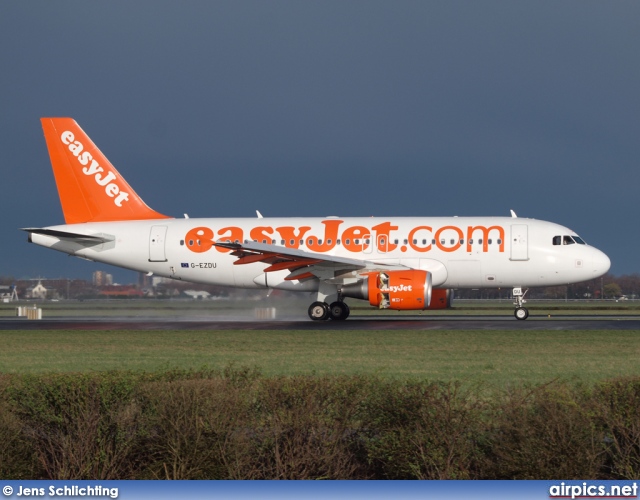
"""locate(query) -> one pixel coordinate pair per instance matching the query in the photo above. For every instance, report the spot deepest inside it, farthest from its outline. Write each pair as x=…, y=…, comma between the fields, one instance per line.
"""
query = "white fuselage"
x=460, y=252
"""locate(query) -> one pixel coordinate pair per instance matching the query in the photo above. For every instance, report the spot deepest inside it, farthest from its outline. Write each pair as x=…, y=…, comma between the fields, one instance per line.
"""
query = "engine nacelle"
x=441, y=298
x=399, y=290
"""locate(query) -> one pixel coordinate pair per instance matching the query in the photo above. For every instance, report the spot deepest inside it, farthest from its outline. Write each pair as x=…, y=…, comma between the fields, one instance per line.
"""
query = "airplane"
x=397, y=263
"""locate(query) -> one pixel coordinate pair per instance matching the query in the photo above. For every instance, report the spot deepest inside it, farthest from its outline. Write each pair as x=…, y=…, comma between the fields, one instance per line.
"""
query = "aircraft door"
x=382, y=243
x=519, y=242
x=157, y=238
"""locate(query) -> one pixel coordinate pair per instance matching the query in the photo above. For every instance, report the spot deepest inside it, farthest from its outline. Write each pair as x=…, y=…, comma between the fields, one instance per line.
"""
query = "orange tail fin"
x=90, y=188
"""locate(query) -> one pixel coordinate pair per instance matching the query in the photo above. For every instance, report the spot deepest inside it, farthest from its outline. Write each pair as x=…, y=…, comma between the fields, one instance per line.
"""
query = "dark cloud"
x=314, y=108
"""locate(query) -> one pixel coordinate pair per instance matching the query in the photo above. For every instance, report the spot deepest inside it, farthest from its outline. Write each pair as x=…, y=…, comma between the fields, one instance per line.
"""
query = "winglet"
x=89, y=186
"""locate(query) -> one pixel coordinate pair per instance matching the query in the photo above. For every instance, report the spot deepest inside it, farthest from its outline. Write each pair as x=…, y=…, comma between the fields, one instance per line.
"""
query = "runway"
x=591, y=322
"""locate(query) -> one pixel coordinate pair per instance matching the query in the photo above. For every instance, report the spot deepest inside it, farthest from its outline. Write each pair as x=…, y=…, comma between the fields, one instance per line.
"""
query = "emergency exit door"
x=157, y=238
x=519, y=242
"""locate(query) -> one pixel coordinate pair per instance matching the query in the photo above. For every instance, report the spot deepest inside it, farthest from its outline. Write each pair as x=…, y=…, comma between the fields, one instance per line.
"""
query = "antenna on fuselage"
x=513, y=214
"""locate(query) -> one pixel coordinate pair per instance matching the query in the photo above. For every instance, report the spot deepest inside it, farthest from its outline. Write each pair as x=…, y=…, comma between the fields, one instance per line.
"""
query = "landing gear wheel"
x=339, y=311
x=319, y=311
x=521, y=313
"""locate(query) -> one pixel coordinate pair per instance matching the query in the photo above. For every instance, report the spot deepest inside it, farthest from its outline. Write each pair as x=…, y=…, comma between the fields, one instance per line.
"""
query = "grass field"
x=498, y=358
x=495, y=357
x=228, y=404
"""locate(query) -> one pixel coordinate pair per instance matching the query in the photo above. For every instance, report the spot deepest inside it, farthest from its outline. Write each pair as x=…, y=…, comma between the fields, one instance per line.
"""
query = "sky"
x=315, y=108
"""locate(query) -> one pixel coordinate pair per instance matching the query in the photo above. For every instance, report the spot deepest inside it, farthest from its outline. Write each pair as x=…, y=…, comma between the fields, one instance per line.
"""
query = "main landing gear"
x=520, y=313
x=320, y=311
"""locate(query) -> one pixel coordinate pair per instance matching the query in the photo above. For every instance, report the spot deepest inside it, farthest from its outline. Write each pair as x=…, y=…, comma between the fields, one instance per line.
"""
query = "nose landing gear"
x=521, y=313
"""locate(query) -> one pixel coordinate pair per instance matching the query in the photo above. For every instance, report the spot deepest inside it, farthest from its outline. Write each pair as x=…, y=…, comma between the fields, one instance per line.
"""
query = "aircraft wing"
x=301, y=264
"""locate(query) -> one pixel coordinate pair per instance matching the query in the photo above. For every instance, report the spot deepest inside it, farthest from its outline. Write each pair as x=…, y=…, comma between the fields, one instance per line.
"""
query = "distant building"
x=101, y=278
x=121, y=291
x=37, y=291
x=161, y=280
x=144, y=280
x=8, y=293
x=197, y=294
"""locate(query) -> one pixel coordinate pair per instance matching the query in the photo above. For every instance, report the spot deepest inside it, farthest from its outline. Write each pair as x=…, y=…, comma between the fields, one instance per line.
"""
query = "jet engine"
x=399, y=290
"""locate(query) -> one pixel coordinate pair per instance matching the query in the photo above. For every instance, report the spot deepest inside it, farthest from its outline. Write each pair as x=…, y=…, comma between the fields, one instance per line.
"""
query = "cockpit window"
x=568, y=240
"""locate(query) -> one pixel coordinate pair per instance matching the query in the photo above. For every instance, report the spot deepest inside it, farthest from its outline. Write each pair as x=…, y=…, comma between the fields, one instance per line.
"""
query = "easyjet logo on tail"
x=92, y=168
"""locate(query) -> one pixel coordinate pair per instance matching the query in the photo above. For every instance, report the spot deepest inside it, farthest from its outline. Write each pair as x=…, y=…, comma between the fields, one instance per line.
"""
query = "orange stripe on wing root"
x=248, y=259
x=291, y=264
x=299, y=277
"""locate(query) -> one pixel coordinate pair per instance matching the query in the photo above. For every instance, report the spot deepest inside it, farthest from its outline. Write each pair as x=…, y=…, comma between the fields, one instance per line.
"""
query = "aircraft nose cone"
x=601, y=263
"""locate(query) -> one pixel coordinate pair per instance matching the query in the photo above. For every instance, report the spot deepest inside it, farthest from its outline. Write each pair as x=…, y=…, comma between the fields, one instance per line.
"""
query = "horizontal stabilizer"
x=66, y=234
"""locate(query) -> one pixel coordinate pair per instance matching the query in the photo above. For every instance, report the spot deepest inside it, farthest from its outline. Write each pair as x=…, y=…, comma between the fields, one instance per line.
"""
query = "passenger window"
x=338, y=242
x=557, y=240
x=489, y=241
x=470, y=241
x=347, y=241
x=480, y=241
x=181, y=242
x=291, y=242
